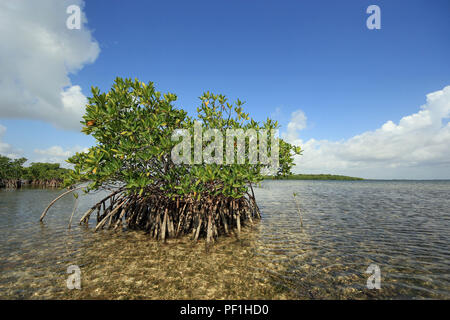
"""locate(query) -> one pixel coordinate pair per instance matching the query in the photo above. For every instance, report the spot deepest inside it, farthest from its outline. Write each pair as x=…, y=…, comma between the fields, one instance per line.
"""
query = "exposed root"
x=162, y=217
x=165, y=217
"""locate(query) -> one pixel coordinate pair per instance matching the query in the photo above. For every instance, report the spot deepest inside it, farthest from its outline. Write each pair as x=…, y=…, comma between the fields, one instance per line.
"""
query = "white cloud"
x=37, y=54
x=6, y=149
x=417, y=147
x=276, y=114
x=297, y=123
x=54, y=154
x=57, y=154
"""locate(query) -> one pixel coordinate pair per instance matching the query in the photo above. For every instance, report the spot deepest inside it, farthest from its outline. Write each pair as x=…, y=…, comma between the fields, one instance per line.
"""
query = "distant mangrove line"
x=14, y=175
x=312, y=177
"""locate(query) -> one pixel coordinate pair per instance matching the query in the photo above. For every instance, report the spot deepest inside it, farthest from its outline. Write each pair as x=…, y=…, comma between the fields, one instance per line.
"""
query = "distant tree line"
x=13, y=173
x=312, y=177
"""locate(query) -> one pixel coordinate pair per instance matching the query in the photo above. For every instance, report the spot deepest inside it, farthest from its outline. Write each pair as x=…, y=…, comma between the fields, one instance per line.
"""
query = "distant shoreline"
x=314, y=177
x=330, y=177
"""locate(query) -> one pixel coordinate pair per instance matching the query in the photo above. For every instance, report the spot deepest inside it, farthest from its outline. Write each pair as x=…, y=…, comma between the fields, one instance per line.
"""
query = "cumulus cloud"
x=417, y=147
x=6, y=149
x=37, y=54
x=297, y=123
x=57, y=154
x=54, y=154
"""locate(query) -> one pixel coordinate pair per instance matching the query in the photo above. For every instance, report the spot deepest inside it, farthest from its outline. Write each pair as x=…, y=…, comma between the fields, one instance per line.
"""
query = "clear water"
x=401, y=226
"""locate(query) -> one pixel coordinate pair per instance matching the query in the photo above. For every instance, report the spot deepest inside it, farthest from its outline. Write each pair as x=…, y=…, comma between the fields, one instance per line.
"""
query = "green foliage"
x=133, y=125
x=11, y=168
x=286, y=158
x=14, y=169
x=44, y=171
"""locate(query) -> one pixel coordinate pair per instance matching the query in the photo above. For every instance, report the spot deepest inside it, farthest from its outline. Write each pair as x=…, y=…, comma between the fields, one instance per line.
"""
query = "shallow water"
x=401, y=226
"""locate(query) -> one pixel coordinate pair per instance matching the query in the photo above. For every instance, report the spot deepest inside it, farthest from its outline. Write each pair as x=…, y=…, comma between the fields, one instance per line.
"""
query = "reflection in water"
x=403, y=227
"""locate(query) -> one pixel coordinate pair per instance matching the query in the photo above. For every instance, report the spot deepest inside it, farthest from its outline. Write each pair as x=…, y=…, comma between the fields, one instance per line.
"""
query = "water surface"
x=401, y=226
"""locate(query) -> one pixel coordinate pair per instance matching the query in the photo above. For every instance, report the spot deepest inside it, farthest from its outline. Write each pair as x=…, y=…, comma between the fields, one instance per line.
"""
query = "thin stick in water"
x=53, y=202
x=74, y=209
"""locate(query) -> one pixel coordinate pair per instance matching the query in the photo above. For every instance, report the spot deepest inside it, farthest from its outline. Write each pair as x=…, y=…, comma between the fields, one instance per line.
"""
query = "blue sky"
x=316, y=58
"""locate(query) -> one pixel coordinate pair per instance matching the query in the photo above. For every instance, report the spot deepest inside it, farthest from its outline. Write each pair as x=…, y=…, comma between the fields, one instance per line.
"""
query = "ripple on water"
x=401, y=226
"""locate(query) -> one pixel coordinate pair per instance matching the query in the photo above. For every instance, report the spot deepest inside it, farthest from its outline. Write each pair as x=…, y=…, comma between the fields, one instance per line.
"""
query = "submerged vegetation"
x=13, y=173
x=134, y=126
x=311, y=177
